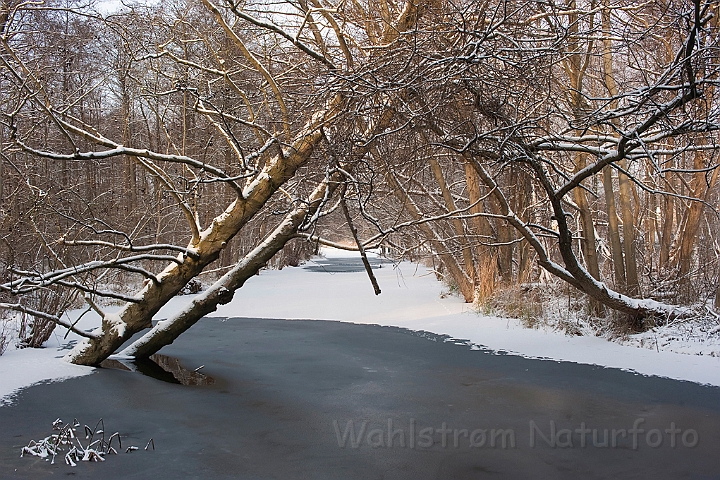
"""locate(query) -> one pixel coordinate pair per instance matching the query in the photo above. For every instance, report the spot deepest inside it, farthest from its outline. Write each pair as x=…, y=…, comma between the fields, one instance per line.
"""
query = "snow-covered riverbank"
x=411, y=298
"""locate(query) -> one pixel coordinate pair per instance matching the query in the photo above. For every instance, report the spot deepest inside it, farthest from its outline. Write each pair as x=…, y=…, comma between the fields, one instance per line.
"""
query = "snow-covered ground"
x=411, y=298
x=22, y=368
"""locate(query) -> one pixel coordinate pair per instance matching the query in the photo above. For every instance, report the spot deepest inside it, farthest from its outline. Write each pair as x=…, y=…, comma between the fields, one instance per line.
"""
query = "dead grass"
x=548, y=305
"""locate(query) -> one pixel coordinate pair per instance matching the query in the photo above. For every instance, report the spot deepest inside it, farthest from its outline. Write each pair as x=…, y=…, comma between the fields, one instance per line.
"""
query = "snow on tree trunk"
x=136, y=316
x=222, y=291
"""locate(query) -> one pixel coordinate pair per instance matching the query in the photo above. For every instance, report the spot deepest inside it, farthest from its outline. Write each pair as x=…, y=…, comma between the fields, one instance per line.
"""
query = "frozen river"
x=319, y=399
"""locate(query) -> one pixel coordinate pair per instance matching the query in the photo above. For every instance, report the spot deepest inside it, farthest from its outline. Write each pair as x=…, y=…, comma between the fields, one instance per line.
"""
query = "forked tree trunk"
x=222, y=291
x=116, y=328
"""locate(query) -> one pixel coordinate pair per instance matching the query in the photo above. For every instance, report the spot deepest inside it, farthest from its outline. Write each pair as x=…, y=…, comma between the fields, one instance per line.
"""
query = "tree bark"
x=118, y=327
x=588, y=241
x=614, y=230
x=222, y=291
x=628, y=222
x=456, y=222
x=486, y=263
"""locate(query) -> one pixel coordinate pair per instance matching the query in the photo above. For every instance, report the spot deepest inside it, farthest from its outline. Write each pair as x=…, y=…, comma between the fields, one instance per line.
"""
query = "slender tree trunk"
x=628, y=219
x=575, y=66
x=486, y=263
x=130, y=162
x=666, y=240
x=524, y=190
x=651, y=224
x=358, y=243
x=456, y=222
x=457, y=273
x=588, y=241
x=632, y=283
x=614, y=230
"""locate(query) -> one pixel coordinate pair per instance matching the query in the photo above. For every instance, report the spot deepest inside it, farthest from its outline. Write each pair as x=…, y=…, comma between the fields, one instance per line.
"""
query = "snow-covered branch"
x=47, y=316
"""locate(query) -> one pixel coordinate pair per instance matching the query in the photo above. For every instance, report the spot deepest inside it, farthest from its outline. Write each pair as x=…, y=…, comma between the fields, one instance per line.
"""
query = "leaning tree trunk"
x=458, y=274
x=456, y=222
x=222, y=291
x=118, y=327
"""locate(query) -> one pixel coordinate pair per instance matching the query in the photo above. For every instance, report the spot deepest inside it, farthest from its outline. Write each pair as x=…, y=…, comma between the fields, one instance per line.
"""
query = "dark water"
x=285, y=392
x=161, y=367
x=344, y=265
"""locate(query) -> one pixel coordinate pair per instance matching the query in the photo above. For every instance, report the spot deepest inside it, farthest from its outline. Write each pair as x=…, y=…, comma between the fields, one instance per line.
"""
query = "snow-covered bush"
x=35, y=331
x=550, y=305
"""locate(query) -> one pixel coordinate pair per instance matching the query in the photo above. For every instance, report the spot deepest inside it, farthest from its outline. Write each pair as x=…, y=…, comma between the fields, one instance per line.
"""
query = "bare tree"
x=241, y=98
x=474, y=132
x=558, y=95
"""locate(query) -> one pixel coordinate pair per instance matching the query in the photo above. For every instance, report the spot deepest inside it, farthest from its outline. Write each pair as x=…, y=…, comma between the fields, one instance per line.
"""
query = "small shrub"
x=523, y=302
x=36, y=331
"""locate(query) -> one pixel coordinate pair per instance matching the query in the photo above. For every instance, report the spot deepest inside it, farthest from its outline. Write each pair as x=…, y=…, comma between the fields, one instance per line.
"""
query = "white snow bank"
x=22, y=368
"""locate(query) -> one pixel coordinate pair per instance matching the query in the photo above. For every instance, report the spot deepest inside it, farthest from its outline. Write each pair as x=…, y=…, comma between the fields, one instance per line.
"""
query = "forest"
x=506, y=143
